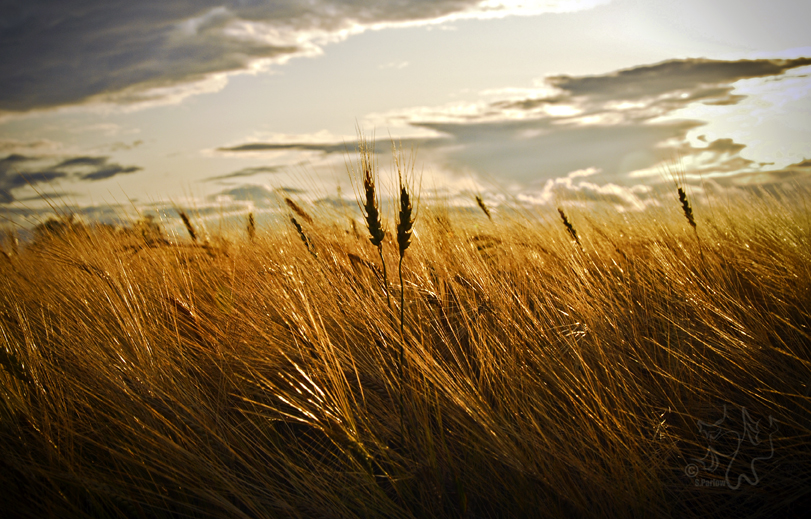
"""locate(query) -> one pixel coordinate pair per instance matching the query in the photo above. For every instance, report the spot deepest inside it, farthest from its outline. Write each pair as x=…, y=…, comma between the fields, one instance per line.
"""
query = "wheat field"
x=586, y=363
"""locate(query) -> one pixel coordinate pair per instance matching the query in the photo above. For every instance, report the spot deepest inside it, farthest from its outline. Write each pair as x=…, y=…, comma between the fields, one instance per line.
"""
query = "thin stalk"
x=405, y=225
x=401, y=362
x=385, y=276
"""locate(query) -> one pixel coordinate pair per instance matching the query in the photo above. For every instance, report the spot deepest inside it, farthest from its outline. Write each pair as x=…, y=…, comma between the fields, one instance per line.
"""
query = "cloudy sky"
x=219, y=105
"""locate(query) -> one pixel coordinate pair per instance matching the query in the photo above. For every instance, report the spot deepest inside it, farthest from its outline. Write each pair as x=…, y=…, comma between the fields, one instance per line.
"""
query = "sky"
x=110, y=108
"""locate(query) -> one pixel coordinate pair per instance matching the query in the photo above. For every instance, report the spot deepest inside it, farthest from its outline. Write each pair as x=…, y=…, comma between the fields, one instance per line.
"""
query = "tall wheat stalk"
x=405, y=224
x=371, y=207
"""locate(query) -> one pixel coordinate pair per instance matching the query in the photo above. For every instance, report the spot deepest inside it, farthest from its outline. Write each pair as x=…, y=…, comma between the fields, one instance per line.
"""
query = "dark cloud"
x=109, y=171
x=259, y=195
x=793, y=174
x=248, y=172
x=513, y=150
x=60, y=53
x=17, y=171
x=325, y=148
x=673, y=76
x=528, y=104
x=298, y=146
x=653, y=90
x=610, y=122
x=94, y=168
x=82, y=161
x=14, y=174
x=725, y=146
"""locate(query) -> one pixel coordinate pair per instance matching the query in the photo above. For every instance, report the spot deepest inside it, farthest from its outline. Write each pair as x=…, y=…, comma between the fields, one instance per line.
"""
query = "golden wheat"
x=541, y=381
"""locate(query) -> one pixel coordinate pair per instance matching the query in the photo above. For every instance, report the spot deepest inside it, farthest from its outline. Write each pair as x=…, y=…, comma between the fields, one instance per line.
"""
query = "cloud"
x=248, y=172
x=14, y=175
x=93, y=168
x=16, y=146
x=261, y=196
x=109, y=171
x=700, y=77
x=18, y=171
x=791, y=175
x=620, y=124
x=57, y=53
x=297, y=146
x=123, y=146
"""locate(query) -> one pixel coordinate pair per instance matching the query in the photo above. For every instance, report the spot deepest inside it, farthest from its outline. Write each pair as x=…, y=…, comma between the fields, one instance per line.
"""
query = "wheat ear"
x=569, y=227
x=371, y=209
x=483, y=207
x=189, y=227
x=298, y=210
x=251, y=228
x=685, y=206
x=304, y=238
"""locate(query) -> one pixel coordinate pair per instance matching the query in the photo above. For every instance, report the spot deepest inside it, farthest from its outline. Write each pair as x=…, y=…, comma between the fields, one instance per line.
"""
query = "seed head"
x=371, y=208
x=685, y=206
x=189, y=227
x=304, y=238
x=405, y=220
x=298, y=210
x=569, y=226
x=483, y=206
x=251, y=227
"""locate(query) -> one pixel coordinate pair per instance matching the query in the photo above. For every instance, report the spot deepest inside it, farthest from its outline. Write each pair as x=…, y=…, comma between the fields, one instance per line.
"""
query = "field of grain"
x=531, y=363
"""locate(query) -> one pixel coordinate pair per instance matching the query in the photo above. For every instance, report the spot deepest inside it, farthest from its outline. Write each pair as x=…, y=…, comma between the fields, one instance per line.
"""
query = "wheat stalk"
x=405, y=225
x=371, y=208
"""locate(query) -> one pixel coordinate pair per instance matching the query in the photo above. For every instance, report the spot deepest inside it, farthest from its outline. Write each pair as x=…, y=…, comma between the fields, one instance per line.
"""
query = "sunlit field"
x=531, y=362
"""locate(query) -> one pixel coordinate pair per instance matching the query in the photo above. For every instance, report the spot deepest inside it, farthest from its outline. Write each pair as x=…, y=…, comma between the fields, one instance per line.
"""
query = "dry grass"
x=542, y=380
